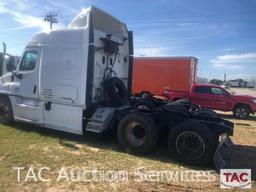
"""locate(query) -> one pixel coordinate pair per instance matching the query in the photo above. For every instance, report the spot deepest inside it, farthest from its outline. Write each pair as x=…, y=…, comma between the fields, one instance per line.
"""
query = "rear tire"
x=192, y=143
x=241, y=112
x=137, y=133
x=6, y=113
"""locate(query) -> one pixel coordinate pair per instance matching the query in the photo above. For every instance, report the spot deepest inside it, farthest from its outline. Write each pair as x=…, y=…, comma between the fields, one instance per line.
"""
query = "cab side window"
x=201, y=89
x=217, y=91
x=28, y=61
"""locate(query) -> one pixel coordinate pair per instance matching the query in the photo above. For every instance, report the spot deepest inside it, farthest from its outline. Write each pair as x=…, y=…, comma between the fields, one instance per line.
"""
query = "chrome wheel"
x=190, y=145
x=241, y=113
x=6, y=114
x=4, y=110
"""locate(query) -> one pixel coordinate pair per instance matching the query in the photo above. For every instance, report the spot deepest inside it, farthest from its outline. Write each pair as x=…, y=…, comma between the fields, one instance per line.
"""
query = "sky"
x=220, y=33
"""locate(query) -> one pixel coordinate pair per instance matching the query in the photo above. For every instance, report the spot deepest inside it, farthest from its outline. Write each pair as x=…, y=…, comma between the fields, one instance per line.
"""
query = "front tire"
x=192, y=143
x=137, y=133
x=6, y=113
x=241, y=112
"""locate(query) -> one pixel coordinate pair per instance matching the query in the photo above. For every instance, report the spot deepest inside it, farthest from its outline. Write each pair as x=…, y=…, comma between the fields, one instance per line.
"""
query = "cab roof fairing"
x=101, y=21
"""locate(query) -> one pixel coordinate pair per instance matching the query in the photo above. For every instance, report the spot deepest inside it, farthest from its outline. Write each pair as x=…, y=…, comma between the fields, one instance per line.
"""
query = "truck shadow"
x=230, y=117
x=105, y=142
x=241, y=157
x=236, y=157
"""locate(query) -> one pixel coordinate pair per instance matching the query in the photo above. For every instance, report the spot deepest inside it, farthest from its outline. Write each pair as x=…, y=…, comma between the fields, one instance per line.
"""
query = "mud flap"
x=218, y=160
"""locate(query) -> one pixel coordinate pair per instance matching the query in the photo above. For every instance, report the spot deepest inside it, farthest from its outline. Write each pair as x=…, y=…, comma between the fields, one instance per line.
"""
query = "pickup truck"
x=216, y=98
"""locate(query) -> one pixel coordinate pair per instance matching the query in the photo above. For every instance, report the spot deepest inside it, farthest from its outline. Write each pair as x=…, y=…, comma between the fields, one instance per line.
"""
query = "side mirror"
x=10, y=64
x=19, y=76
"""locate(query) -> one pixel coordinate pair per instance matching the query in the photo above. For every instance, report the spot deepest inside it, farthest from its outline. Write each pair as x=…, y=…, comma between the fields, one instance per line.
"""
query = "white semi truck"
x=79, y=79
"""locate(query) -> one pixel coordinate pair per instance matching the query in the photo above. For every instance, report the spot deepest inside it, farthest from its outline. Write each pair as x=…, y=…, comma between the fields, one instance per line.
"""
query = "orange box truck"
x=153, y=74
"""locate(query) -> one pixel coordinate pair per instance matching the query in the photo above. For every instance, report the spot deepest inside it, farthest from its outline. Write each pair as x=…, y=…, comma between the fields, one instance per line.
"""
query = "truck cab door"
x=199, y=95
x=220, y=99
x=27, y=104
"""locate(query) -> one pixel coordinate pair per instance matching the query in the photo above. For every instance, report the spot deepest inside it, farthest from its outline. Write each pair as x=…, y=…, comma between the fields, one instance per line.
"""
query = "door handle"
x=34, y=90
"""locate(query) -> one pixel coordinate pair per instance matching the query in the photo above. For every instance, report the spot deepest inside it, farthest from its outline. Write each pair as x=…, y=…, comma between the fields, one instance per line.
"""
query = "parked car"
x=216, y=98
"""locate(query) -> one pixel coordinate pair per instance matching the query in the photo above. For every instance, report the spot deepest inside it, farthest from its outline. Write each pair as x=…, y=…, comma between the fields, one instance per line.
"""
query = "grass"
x=28, y=146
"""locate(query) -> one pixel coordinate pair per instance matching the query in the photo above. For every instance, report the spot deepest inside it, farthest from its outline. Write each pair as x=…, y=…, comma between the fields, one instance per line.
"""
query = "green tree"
x=216, y=82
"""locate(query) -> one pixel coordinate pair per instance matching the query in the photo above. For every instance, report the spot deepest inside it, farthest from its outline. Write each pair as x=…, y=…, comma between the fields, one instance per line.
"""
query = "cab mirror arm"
x=17, y=75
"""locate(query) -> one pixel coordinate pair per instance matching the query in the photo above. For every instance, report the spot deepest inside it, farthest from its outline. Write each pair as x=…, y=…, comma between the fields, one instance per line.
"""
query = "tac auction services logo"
x=235, y=178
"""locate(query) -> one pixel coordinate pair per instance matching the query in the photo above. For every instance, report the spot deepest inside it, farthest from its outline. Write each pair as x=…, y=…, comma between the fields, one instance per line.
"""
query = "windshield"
x=226, y=92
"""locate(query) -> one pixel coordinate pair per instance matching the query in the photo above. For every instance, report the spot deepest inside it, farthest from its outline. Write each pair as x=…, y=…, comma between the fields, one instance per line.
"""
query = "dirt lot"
x=243, y=91
x=27, y=146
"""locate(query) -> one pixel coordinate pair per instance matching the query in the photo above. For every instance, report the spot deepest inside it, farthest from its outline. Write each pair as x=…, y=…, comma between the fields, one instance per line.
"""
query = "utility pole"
x=51, y=18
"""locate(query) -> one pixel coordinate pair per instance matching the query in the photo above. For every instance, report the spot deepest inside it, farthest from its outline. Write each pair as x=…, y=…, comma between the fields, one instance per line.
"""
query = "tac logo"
x=235, y=178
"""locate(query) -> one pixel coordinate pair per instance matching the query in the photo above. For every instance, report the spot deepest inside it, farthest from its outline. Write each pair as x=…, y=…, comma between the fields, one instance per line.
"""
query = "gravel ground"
x=243, y=91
